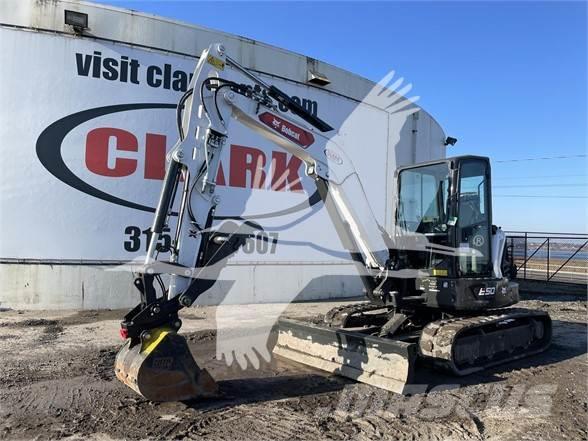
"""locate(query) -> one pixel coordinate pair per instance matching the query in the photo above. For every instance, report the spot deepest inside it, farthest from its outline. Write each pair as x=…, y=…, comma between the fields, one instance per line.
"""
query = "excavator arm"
x=205, y=113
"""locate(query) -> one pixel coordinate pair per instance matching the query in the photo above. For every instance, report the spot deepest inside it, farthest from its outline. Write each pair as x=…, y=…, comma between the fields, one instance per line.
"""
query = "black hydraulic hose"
x=298, y=110
x=179, y=110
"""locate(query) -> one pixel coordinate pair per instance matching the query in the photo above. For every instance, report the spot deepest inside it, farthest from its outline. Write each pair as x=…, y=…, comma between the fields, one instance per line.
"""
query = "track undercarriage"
x=356, y=341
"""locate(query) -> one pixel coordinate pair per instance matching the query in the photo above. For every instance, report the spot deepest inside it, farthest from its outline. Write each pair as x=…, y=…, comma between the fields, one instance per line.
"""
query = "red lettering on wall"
x=247, y=164
x=155, y=156
x=285, y=171
x=97, y=142
x=243, y=160
x=220, y=176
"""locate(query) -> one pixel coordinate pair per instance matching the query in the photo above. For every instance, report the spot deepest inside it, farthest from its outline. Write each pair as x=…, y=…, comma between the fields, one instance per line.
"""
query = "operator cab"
x=448, y=203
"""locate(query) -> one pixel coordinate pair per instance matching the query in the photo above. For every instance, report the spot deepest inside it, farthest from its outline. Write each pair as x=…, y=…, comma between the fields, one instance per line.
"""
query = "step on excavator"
x=438, y=287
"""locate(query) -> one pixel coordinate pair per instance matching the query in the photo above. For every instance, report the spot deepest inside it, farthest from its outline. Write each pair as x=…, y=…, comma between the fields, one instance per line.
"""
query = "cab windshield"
x=423, y=199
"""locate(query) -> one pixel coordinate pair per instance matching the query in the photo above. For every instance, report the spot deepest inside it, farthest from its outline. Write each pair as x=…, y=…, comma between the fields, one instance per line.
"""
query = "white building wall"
x=55, y=230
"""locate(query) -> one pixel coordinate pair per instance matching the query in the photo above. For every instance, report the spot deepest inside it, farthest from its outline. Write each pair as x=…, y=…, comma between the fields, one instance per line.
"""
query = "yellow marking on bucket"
x=156, y=336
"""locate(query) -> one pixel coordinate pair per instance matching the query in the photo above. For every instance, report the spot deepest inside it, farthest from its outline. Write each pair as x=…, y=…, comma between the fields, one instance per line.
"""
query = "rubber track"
x=337, y=317
x=437, y=338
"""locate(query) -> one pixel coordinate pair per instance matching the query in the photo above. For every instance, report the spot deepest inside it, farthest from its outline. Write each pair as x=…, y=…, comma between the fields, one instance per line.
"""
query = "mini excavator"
x=438, y=286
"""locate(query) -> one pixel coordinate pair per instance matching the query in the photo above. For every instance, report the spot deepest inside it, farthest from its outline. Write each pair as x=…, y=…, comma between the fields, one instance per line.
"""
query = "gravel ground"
x=57, y=382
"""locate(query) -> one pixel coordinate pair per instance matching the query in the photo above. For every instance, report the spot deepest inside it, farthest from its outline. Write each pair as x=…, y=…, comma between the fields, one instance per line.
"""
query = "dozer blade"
x=384, y=363
x=161, y=368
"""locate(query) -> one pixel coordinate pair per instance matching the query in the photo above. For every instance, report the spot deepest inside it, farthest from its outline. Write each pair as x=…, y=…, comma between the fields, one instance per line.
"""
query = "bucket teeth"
x=161, y=368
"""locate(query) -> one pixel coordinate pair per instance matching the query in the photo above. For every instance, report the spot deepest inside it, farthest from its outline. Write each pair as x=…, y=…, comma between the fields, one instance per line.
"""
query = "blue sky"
x=508, y=79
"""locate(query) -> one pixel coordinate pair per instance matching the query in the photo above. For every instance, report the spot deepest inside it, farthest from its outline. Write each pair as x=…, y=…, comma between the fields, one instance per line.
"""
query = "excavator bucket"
x=160, y=367
x=383, y=363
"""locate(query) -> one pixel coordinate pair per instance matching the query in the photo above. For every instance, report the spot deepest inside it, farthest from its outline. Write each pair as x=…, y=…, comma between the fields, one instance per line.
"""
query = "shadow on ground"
x=276, y=381
x=569, y=341
x=553, y=297
x=257, y=390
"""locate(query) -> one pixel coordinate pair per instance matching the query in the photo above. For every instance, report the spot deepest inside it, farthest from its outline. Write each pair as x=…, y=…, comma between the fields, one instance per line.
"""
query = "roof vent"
x=317, y=78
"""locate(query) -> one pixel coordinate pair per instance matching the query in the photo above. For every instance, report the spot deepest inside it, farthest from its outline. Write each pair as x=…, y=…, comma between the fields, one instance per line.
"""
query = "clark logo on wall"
x=112, y=152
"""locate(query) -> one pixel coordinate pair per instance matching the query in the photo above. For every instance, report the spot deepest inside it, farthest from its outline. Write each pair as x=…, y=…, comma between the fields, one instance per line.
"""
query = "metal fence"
x=561, y=257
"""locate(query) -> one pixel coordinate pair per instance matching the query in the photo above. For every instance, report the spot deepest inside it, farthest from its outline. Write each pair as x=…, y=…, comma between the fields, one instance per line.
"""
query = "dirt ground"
x=57, y=382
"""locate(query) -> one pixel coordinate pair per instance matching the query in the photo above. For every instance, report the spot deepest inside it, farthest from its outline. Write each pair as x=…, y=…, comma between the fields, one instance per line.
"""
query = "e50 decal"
x=487, y=291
